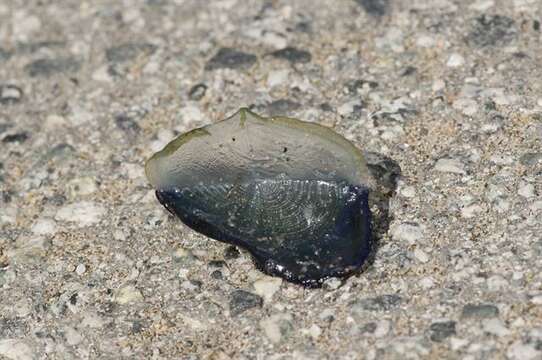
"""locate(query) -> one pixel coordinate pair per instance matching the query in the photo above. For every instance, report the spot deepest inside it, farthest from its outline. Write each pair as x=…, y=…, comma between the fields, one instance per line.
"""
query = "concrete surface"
x=92, y=267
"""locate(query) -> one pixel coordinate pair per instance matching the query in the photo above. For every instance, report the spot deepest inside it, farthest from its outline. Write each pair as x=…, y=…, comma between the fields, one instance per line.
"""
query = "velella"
x=294, y=194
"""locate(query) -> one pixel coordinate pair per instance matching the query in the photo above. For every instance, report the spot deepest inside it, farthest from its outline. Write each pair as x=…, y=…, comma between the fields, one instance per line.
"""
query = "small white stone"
x=24, y=25
x=273, y=326
x=92, y=320
x=451, y=166
x=15, y=349
x=468, y=107
x=425, y=41
x=22, y=307
x=44, y=226
x=383, y=327
x=314, y=331
x=520, y=351
x=192, y=113
x=427, y=282
x=267, y=286
x=471, y=211
x=80, y=269
x=409, y=233
x=482, y=5
x=82, y=186
x=496, y=283
x=128, y=294
x=537, y=299
x=455, y=60
x=495, y=326
x=101, y=74
x=83, y=213
x=457, y=343
x=348, y=107
x=421, y=256
x=73, y=337
x=438, y=85
x=53, y=121
x=501, y=159
x=526, y=190
x=408, y=191
x=277, y=77
x=80, y=115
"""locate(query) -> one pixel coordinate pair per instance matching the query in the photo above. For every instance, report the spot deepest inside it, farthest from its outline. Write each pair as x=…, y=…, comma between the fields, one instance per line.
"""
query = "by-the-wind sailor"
x=292, y=193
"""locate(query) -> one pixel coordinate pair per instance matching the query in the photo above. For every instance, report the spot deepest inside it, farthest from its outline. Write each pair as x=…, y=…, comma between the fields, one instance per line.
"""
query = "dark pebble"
x=137, y=327
x=129, y=51
x=479, y=311
x=354, y=85
x=127, y=124
x=282, y=107
x=36, y=46
x=217, y=274
x=197, y=92
x=241, y=301
x=10, y=94
x=228, y=58
x=293, y=55
x=19, y=137
x=374, y=7
x=368, y=328
x=530, y=159
x=441, y=330
x=231, y=252
x=491, y=30
x=5, y=55
x=217, y=263
x=48, y=67
x=379, y=303
x=326, y=107
x=409, y=70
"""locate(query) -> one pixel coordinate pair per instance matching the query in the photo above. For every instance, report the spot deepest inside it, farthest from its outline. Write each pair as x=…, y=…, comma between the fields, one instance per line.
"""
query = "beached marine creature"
x=292, y=193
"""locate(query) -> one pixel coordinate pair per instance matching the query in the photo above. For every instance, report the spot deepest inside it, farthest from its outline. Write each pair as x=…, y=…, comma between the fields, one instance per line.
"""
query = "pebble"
x=277, y=326
x=282, y=107
x=495, y=326
x=24, y=25
x=526, y=190
x=520, y=351
x=468, y=107
x=293, y=55
x=228, y=58
x=197, y=92
x=454, y=166
x=379, y=303
x=383, y=328
x=441, y=330
x=277, y=77
x=44, y=226
x=491, y=30
x=455, y=60
x=80, y=269
x=375, y=8
x=314, y=331
x=10, y=94
x=267, y=286
x=15, y=349
x=129, y=52
x=408, y=232
x=241, y=301
x=479, y=311
x=48, y=67
x=84, y=213
x=421, y=256
x=128, y=294
x=482, y=5
x=73, y=337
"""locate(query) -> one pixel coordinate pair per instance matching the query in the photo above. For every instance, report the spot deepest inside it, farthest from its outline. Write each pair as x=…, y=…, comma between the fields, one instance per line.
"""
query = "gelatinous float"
x=292, y=193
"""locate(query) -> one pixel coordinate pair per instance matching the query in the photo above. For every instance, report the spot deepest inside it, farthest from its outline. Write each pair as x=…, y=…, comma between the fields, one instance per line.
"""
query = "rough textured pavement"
x=91, y=266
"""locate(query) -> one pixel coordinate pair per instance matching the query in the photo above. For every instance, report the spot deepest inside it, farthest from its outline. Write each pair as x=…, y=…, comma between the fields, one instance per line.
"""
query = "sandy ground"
x=92, y=267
